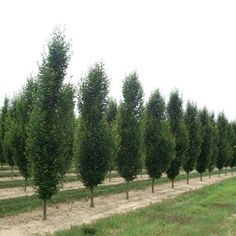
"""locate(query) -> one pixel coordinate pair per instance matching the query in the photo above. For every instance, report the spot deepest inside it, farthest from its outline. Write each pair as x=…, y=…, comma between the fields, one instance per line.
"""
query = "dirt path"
x=63, y=216
x=6, y=193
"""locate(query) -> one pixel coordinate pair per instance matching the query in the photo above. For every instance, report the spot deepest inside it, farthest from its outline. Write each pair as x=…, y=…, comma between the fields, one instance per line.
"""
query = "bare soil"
x=63, y=216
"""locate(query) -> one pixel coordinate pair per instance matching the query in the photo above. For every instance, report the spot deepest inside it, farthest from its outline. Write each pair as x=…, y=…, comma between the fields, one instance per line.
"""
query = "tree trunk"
x=109, y=176
x=188, y=178
x=44, y=209
x=25, y=184
x=232, y=171
x=153, y=185
x=92, y=202
x=62, y=183
x=219, y=173
x=12, y=172
x=209, y=174
x=127, y=190
x=172, y=183
x=2, y=167
x=201, y=176
x=225, y=171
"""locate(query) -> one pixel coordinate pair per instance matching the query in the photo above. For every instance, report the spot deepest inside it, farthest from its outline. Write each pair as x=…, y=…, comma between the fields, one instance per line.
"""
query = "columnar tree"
x=4, y=112
x=179, y=130
x=159, y=142
x=45, y=131
x=206, y=145
x=111, y=117
x=94, y=143
x=193, y=126
x=233, y=162
x=10, y=137
x=24, y=106
x=222, y=124
x=67, y=128
x=129, y=154
x=230, y=147
x=215, y=143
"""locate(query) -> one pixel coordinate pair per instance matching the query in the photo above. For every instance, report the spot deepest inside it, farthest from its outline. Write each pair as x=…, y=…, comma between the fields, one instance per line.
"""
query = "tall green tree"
x=215, y=143
x=111, y=117
x=45, y=130
x=222, y=124
x=180, y=133
x=159, y=142
x=193, y=127
x=206, y=145
x=129, y=154
x=233, y=162
x=3, y=119
x=94, y=143
x=67, y=128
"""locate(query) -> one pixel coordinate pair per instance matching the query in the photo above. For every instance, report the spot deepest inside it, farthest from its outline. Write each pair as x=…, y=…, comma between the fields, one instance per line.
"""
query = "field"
x=21, y=214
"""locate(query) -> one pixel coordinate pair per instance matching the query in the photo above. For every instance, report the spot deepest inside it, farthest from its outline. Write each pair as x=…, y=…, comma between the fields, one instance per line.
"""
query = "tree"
x=67, y=128
x=222, y=124
x=215, y=143
x=111, y=117
x=193, y=127
x=179, y=131
x=94, y=143
x=24, y=106
x=10, y=137
x=45, y=131
x=206, y=145
x=4, y=112
x=129, y=154
x=233, y=162
x=159, y=142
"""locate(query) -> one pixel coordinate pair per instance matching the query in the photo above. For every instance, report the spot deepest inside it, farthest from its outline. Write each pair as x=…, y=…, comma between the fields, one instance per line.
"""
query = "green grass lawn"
x=208, y=211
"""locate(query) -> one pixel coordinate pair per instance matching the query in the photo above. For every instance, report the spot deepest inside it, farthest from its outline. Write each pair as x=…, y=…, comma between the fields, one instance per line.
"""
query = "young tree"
x=3, y=119
x=206, y=145
x=233, y=162
x=215, y=143
x=159, y=142
x=193, y=127
x=222, y=124
x=67, y=128
x=179, y=130
x=45, y=131
x=129, y=154
x=111, y=117
x=94, y=143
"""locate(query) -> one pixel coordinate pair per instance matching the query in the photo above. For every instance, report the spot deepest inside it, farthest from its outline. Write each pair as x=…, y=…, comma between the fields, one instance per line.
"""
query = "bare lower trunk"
x=62, y=183
x=92, y=202
x=153, y=185
x=109, y=176
x=232, y=171
x=12, y=172
x=2, y=167
x=172, y=183
x=187, y=178
x=127, y=190
x=25, y=187
x=201, y=176
x=219, y=173
x=44, y=209
x=209, y=174
x=225, y=171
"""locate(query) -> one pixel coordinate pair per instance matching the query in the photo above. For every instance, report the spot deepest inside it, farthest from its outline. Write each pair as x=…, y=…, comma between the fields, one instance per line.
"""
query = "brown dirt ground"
x=63, y=216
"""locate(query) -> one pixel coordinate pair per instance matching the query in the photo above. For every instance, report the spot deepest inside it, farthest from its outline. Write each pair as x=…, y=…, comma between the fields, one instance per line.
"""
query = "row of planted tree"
x=41, y=135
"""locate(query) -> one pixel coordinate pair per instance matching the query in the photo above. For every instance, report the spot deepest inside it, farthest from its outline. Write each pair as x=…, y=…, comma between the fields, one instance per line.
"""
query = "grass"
x=28, y=203
x=208, y=211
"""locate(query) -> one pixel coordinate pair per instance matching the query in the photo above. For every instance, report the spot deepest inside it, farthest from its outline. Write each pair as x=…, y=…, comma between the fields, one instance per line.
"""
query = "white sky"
x=189, y=45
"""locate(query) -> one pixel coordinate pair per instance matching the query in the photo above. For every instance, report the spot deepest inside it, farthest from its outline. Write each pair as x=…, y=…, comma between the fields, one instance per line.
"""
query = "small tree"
x=159, y=142
x=233, y=162
x=111, y=117
x=193, y=127
x=222, y=124
x=3, y=119
x=215, y=143
x=129, y=154
x=94, y=143
x=179, y=130
x=67, y=128
x=45, y=130
x=206, y=146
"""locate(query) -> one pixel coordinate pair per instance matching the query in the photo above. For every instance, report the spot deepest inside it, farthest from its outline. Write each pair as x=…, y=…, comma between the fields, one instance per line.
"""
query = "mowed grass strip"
x=208, y=211
x=18, y=205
